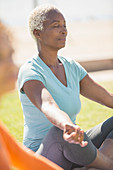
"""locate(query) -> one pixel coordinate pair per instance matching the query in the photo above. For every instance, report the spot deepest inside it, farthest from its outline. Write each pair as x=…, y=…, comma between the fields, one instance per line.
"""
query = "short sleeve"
x=27, y=73
x=81, y=72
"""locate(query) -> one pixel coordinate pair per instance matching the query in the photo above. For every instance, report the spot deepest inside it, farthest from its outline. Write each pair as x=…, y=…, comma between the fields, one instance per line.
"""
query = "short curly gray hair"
x=38, y=16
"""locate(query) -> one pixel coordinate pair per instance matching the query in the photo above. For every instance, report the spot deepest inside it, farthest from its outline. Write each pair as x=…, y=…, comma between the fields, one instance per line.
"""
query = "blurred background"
x=90, y=31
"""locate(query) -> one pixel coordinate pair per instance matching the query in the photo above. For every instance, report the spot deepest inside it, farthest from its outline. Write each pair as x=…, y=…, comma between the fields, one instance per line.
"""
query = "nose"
x=64, y=30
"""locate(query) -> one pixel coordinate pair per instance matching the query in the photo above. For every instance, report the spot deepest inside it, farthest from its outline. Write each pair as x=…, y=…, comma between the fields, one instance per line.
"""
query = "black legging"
x=69, y=156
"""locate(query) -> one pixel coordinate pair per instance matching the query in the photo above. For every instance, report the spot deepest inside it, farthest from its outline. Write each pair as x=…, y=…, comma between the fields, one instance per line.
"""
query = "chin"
x=61, y=46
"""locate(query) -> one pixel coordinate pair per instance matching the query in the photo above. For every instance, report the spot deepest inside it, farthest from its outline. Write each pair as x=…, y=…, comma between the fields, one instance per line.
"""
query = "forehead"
x=53, y=16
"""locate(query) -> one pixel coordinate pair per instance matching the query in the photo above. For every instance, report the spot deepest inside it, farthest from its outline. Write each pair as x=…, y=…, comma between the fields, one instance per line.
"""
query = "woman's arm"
x=95, y=92
x=42, y=99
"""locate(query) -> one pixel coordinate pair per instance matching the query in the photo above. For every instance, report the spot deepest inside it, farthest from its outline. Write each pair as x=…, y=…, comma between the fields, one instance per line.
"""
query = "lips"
x=62, y=39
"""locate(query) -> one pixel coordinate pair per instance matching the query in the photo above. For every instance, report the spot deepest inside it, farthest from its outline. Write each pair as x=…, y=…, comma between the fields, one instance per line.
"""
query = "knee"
x=110, y=121
x=108, y=124
x=80, y=155
x=111, y=118
x=110, y=135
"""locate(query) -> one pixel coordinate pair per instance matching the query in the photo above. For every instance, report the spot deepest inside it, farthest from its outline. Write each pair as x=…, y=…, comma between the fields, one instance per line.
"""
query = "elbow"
x=111, y=102
x=107, y=101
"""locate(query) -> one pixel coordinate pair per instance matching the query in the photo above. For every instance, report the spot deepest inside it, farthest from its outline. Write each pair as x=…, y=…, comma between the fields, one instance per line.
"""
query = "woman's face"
x=8, y=70
x=54, y=31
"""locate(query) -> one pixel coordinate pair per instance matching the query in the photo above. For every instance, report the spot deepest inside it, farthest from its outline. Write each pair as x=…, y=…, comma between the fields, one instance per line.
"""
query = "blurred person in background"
x=12, y=153
x=8, y=77
x=49, y=89
x=8, y=70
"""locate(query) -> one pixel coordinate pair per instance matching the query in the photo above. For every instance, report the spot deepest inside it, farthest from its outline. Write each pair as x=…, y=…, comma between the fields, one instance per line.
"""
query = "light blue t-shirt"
x=36, y=125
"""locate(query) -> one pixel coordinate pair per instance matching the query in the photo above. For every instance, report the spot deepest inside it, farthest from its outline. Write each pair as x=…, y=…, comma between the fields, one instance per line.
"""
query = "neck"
x=49, y=58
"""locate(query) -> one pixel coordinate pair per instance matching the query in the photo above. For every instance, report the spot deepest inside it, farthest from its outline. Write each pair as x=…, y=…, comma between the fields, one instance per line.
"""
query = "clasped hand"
x=73, y=134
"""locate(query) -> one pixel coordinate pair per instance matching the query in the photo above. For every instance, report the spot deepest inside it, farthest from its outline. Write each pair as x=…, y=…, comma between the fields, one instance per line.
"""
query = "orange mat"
x=19, y=156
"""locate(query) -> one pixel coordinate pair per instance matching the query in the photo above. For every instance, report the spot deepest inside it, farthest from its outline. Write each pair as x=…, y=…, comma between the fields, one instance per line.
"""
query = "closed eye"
x=56, y=26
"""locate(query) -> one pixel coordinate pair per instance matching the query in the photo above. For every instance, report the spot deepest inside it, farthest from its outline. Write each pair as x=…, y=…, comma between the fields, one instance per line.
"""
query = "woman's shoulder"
x=72, y=64
x=68, y=60
x=29, y=63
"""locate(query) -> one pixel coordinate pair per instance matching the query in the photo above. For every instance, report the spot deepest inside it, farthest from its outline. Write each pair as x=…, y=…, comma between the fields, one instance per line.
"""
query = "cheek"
x=50, y=36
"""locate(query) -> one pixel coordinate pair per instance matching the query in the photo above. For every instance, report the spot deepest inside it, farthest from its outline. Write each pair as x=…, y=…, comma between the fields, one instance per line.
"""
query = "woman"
x=49, y=89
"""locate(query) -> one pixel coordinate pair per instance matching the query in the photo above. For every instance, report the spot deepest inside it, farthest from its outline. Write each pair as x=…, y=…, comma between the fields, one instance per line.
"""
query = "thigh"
x=56, y=149
x=100, y=132
x=51, y=148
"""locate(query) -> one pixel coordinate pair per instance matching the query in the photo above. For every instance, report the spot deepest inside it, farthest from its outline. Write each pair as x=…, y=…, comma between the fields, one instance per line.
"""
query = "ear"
x=37, y=33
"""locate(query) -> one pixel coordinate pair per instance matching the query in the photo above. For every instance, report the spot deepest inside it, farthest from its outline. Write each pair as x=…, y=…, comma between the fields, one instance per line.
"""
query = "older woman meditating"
x=49, y=87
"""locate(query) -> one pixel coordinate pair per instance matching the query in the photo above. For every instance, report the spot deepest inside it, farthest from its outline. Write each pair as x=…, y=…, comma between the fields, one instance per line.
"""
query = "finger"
x=83, y=143
x=76, y=136
x=70, y=137
x=81, y=136
x=77, y=130
x=68, y=128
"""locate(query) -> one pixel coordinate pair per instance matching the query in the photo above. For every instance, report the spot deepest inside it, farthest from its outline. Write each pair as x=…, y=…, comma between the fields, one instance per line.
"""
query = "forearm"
x=56, y=116
x=93, y=91
x=42, y=99
x=109, y=101
x=71, y=133
x=106, y=99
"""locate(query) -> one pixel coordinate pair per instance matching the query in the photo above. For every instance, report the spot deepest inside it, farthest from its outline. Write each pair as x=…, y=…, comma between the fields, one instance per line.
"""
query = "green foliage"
x=11, y=114
x=91, y=113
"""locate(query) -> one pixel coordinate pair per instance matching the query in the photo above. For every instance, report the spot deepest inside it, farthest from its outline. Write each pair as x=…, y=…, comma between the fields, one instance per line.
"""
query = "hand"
x=73, y=134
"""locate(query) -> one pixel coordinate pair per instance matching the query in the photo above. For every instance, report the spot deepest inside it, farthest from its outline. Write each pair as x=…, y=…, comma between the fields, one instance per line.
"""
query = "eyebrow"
x=56, y=21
